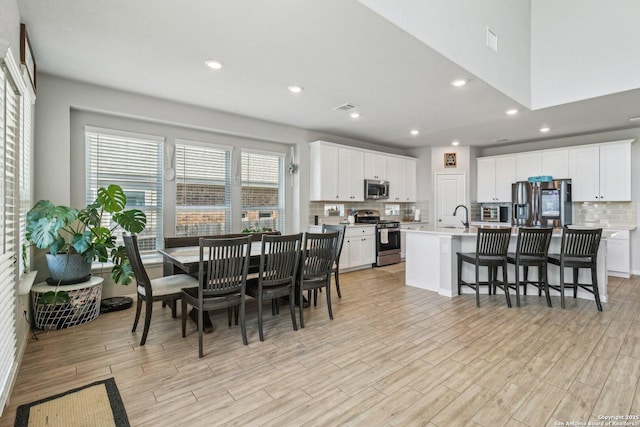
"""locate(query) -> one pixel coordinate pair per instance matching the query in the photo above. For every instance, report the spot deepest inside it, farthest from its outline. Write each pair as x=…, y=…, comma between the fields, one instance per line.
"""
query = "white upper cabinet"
x=350, y=175
x=601, y=172
x=494, y=179
x=401, y=174
x=528, y=164
x=555, y=163
x=324, y=171
x=338, y=173
x=411, y=189
x=375, y=166
x=396, y=177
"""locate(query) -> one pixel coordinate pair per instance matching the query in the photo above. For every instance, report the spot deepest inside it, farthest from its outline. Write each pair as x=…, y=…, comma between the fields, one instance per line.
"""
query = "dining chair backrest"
x=133, y=254
x=493, y=241
x=223, y=265
x=319, y=254
x=580, y=243
x=340, y=229
x=279, y=259
x=533, y=241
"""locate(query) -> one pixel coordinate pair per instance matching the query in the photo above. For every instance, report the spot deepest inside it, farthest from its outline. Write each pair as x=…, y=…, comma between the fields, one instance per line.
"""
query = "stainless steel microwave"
x=376, y=189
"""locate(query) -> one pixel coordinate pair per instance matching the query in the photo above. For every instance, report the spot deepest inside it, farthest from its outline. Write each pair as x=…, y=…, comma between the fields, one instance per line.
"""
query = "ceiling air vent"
x=346, y=107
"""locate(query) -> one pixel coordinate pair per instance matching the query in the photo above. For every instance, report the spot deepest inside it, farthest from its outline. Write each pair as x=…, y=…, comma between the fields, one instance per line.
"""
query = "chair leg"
x=478, y=286
x=147, y=320
x=229, y=314
x=260, y=331
x=518, y=284
x=138, y=311
x=174, y=303
x=301, y=305
x=337, y=278
x=329, y=297
x=243, y=323
x=545, y=279
x=594, y=282
x=459, y=274
x=505, y=284
x=525, y=276
x=200, y=330
x=315, y=297
x=562, y=285
x=183, y=313
x=292, y=307
x=575, y=283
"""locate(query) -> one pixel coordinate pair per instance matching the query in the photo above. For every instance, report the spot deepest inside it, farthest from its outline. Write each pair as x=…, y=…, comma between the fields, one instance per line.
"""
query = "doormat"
x=96, y=404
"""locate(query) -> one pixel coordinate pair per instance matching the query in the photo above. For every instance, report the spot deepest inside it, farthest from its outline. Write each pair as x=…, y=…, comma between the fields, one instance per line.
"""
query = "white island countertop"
x=431, y=260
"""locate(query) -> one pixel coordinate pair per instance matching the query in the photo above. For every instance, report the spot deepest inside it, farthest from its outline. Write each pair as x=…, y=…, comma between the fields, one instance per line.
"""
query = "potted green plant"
x=78, y=235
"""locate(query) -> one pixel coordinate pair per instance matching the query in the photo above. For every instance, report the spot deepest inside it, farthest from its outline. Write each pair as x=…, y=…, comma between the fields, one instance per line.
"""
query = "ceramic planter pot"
x=67, y=269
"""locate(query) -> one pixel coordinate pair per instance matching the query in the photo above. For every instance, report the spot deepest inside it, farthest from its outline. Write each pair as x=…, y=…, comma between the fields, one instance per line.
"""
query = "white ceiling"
x=339, y=50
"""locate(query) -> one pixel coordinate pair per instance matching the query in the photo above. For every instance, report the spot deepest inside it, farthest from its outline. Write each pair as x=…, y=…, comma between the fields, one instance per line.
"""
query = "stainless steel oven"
x=387, y=236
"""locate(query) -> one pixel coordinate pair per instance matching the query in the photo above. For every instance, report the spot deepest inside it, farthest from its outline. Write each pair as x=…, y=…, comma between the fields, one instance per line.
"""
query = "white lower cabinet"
x=359, y=247
x=403, y=236
x=618, y=259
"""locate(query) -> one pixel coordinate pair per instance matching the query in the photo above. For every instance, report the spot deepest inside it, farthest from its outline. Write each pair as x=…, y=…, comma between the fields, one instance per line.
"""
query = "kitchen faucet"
x=466, y=215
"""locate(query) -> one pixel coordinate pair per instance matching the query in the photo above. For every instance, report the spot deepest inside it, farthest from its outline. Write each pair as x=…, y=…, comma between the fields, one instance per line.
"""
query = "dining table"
x=186, y=259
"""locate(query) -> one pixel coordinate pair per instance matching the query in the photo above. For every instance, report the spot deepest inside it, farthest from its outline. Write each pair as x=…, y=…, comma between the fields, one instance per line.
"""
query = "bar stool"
x=579, y=249
x=532, y=249
x=491, y=252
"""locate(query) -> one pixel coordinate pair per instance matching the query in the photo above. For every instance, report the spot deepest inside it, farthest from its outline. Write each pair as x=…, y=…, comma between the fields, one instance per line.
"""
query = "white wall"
x=10, y=27
x=582, y=49
x=457, y=30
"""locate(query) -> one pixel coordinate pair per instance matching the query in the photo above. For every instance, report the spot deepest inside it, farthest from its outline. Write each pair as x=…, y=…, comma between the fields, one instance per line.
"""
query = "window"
x=203, y=196
x=15, y=199
x=134, y=162
x=263, y=190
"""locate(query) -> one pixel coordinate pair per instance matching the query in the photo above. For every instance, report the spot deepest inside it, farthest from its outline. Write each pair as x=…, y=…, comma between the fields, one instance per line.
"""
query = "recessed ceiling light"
x=295, y=88
x=545, y=129
x=455, y=143
x=512, y=111
x=213, y=64
x=634, y=119
x=459, y=82
x=415, y=132
x=354, y=115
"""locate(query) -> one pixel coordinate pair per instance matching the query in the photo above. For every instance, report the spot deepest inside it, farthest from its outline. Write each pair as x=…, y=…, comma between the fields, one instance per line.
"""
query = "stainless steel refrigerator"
x=542, y=204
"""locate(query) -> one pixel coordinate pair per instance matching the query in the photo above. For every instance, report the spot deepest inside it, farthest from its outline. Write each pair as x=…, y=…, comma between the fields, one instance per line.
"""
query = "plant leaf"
x=133, y=220
x=81, y=242
x=112, y=198
x=122, y=274
x=54, y=297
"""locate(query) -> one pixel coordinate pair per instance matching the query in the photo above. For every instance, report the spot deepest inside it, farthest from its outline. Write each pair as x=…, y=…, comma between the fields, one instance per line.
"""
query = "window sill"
x=26, y=281
x=151, y=260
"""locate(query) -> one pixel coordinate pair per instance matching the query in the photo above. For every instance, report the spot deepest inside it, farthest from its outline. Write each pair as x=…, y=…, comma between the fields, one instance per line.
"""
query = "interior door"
x=450, y=192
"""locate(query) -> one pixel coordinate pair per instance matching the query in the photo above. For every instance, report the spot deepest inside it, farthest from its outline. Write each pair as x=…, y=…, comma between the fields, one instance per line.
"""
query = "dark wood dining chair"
x=279, y=260
x=578, y=249
x=167, y=289
x=491, y=252
x=222, y=277
x=318, y=256
x=532, y=249
x=340, y=229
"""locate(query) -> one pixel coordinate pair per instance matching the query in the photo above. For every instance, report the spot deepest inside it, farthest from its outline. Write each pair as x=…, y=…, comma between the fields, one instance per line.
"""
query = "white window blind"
x=25, y=181
x=203, y=190
x=134, y=162
x=263, y=203
x=9, y=139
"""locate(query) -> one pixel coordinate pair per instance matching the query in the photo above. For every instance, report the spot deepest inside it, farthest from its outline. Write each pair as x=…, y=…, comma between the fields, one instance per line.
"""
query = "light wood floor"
x=393, y=355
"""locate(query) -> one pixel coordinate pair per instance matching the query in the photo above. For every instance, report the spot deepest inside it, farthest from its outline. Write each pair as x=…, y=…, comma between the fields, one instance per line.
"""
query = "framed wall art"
x=450, y=160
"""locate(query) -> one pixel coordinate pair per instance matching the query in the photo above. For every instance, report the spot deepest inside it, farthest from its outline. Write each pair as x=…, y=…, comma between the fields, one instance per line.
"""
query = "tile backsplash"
x=407, y=210
x=606, y=214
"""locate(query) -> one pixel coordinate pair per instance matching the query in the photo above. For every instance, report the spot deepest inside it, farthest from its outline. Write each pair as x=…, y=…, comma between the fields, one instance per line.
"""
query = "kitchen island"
x=431, y=262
